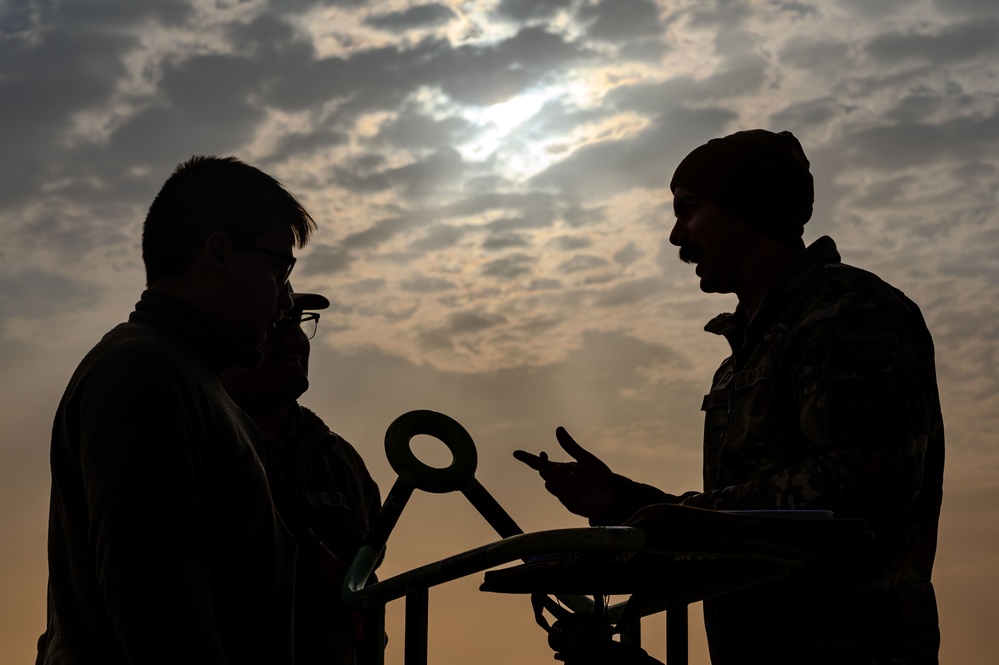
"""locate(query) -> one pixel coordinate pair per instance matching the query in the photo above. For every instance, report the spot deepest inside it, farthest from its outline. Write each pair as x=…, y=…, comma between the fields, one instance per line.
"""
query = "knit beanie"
x=759, y=176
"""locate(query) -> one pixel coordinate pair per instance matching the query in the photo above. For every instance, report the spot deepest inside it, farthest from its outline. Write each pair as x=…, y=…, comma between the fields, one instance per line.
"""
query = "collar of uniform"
x=194, y=330
x=733, y=325
x=821, y=252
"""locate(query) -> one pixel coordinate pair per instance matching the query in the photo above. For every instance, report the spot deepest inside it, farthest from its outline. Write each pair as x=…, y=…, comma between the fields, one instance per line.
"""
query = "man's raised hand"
x=585, y=487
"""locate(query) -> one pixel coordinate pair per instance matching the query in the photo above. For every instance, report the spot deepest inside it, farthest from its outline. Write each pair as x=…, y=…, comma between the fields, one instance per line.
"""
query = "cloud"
x=527, y=10
x=725, y=18
x=492, y=74
x=376, y=234
x=463, y=322
x=427, y=285
x=963, y=7
x=621, y=20
x=570, y=243
x=644, y=161
x=38, y=295
x=305, y=144
x=811, y=113
x=811, y=54
x=509, y=267
x=480, y=203
x=419, y=16
x=45, y=82
x=110, y=16
x=898, y=146
x=877, y=8
x=206, y=102
x=383, y=78
x=272, y=37
x=419, y=179
x=950, y=44
x=576, y=215
x=534, y=217
x=326, y=260
x=414, y=130
x=505, y=240
x=630, y=292
x=582, y=263
x=302, y=6
x=628, y=255
x=439, y=237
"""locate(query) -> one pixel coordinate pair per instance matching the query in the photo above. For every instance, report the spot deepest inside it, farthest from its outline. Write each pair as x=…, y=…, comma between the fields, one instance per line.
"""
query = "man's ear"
x=216, y=251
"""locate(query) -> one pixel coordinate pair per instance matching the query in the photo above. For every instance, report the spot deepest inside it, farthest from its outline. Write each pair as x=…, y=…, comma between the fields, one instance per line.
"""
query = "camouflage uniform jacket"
x=828, y=402
x=327, y=497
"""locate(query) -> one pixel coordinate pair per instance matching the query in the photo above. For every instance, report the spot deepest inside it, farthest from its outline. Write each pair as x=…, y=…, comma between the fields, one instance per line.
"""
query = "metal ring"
x=455, y=476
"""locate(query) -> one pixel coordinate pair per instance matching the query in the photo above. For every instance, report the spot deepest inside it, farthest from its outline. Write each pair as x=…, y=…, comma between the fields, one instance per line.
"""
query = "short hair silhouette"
x=207, y=194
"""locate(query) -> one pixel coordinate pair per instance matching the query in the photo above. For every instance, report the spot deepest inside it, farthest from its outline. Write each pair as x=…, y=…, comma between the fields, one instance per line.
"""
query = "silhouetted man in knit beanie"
x=828, y=403
x=756, y=175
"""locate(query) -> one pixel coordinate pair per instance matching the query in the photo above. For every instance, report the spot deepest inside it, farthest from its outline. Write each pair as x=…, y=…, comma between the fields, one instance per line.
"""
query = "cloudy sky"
x=490, y=180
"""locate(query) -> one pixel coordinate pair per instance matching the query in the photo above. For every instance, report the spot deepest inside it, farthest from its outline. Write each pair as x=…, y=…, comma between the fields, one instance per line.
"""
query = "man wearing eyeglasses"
x=319, y=482
x=164, y=543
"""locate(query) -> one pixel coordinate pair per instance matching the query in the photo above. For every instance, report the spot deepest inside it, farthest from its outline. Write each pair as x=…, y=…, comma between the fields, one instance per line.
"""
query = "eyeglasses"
x=284, y=273
x=306, y=322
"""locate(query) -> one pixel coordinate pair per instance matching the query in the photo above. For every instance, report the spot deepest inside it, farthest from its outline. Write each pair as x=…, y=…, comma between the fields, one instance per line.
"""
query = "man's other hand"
x=585, y=487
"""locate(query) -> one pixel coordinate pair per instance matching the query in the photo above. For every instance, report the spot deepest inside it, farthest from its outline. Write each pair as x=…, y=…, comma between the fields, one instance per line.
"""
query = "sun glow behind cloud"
x=506, y=132
x=496, y=123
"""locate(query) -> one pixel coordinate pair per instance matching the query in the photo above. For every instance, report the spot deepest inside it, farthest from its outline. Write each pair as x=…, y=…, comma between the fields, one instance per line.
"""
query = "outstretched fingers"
x=539, y=463
x=527, y=458
x=570, y=446
x=556, y=474
x=584, y=486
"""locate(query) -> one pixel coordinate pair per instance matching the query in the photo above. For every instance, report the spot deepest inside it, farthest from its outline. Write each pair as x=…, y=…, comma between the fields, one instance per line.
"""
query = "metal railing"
x=690, y=554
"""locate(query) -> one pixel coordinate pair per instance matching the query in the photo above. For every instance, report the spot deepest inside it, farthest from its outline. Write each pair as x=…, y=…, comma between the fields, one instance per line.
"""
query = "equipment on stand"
x=664, y=558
